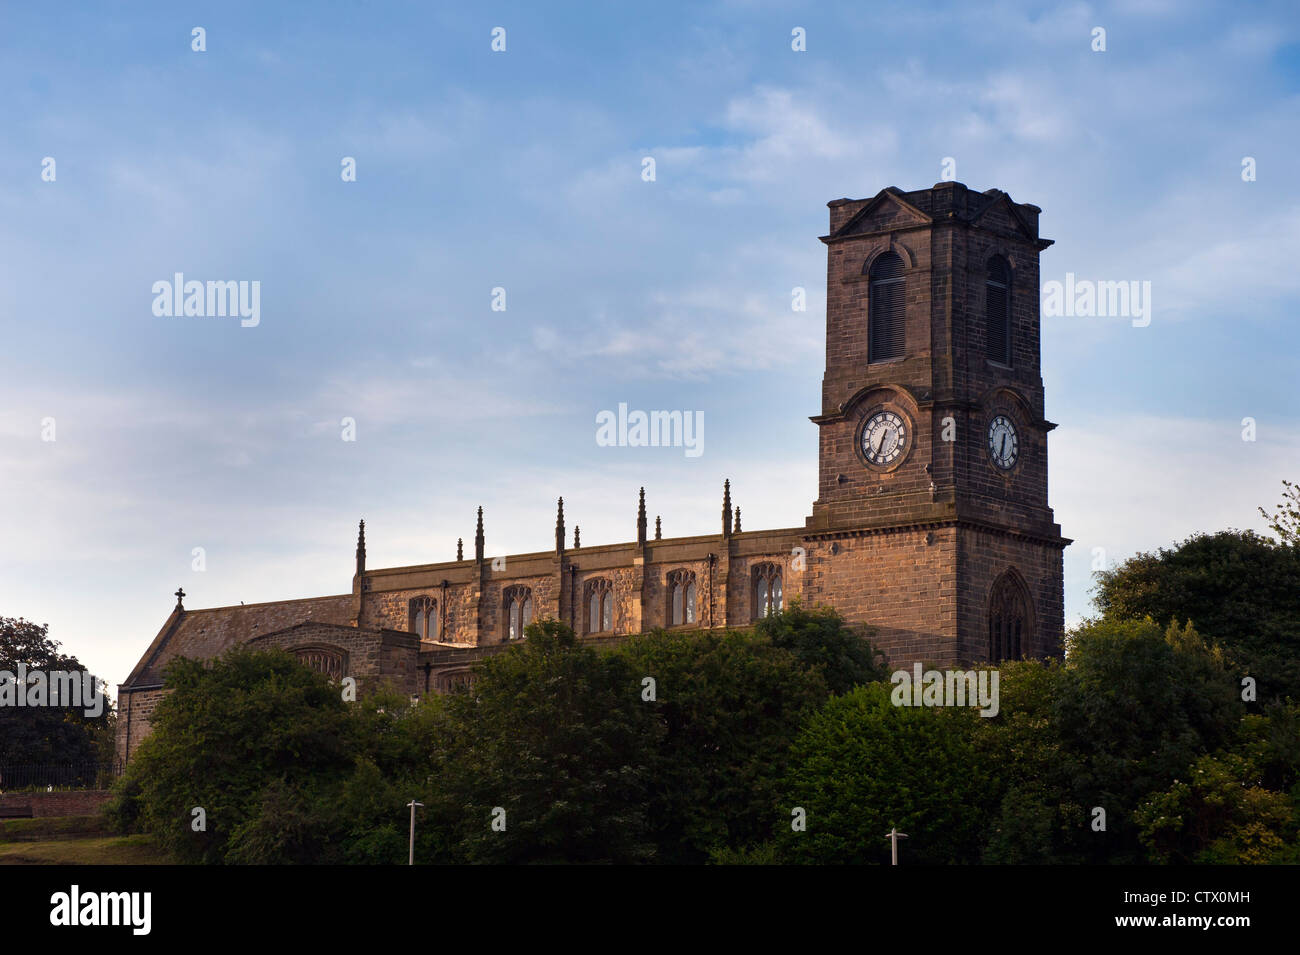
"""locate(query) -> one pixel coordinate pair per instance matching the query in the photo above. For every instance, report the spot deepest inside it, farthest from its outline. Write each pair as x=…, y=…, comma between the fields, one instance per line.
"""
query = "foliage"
x=862, y=766
x=555, y=735
x=1127, y=713
x=820, y=639
x=46, y=734
x=1285, y=521
x=1039, y=819
x=1237, y=588
x=1139, y=707
x=232, y=738
x=1222, y=813
x=729, y=705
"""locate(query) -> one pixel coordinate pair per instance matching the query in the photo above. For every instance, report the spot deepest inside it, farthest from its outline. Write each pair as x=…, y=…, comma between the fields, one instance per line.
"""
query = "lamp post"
x=413, y=804
x=893, y=835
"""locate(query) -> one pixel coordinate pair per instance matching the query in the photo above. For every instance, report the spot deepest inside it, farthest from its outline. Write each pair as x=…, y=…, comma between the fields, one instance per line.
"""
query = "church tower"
x=932, y=520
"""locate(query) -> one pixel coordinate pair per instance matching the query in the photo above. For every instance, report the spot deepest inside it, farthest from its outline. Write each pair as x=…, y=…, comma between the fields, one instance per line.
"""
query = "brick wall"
x=76, y=802
x=985, y=555
x=373, y=656
x=904, y=582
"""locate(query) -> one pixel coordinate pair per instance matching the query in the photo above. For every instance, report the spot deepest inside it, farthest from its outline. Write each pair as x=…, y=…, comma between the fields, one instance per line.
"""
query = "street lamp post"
x=413, y=804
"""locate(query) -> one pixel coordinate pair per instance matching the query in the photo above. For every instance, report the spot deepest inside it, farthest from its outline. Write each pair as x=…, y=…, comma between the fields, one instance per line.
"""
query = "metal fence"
x=74, y=775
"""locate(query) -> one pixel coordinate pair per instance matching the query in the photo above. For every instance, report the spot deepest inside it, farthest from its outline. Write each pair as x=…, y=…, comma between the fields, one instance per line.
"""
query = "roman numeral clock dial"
x=884, y=439
x=1004, y=445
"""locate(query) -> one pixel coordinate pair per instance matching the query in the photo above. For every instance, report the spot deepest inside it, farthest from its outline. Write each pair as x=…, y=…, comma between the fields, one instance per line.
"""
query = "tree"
x=1237, y=588
x=252, y=735
x=1139, y=706
x=46, y=734
x=552, y=744
x=1285, y=521
x=1123, y=717
x=360, y=817
x=820, y=639
x=862, y=766
x=1039, y=818
x=1221, y=811
x=729, y=705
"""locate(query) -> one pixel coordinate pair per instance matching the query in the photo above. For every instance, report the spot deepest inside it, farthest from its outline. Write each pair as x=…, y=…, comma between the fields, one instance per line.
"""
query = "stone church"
x=931, y=521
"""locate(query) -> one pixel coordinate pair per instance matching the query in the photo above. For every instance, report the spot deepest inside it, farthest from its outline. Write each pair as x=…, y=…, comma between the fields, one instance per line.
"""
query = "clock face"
x=884, y=439
x=1004, y=445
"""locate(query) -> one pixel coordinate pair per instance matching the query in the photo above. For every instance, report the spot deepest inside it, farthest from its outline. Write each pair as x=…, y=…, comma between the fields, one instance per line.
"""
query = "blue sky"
x=522, y=170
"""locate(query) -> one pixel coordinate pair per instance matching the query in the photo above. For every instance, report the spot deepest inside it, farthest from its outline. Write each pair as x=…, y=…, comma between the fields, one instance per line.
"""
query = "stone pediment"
x=1001, y=215
x=887, y=211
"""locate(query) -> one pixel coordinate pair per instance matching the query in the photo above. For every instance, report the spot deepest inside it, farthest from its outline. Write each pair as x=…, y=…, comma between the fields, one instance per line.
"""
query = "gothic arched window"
x=886, y=305
x=424, y=618
x=454, y=680
x=1009, y=633
x=517, y=603
x=600, y=606
x=767, y=590
x=331, y=661
x=997, y=310
x=681, y=597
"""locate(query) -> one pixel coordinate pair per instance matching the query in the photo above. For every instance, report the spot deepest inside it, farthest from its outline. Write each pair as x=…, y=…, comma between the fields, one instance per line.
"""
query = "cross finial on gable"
x=180, y=594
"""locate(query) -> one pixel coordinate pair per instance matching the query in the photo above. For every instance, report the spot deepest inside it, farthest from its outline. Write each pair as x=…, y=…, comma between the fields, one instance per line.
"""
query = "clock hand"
x=1003, y=452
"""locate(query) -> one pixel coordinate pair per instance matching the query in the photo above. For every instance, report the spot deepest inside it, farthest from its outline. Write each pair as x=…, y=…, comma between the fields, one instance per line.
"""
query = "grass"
x=51, y=827
x=97, y=850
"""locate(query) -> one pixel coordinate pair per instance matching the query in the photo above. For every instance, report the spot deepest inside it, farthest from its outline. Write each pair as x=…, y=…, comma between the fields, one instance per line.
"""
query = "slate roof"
x=203, y=634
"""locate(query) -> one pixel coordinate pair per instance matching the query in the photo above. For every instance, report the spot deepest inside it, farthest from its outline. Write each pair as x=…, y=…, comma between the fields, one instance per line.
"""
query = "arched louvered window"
x=1008, y=620
x=518, y=605
x=997, y=310
x=767, y=590
x=681, y=597
x=600, y=606
x=424, y=618
x=331, y=661
x=885, y=309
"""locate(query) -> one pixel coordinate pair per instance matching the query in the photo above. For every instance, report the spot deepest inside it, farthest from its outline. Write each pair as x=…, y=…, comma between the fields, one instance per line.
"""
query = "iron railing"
x=58, y=775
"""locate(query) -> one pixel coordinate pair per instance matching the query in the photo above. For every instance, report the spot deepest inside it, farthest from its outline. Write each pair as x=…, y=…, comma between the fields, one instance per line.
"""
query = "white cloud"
x=784, y=134
x=1132, y=482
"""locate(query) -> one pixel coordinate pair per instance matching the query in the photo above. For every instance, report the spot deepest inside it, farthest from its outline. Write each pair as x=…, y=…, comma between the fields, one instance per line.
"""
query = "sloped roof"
x=203, y=634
